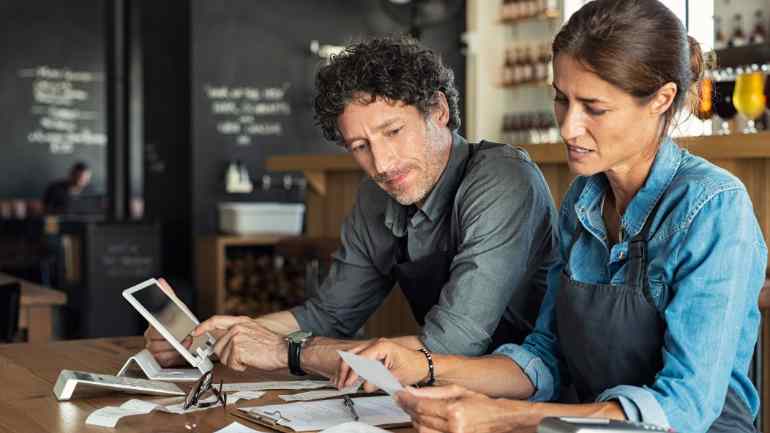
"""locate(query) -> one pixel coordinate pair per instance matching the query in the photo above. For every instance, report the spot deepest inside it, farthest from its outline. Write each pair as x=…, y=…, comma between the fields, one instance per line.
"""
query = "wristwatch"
x=296, y=340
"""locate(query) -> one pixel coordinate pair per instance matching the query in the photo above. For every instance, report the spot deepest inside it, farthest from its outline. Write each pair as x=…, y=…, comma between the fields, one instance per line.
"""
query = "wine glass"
x=705, y=104
x=705, y=107
x=749, y=97
x=724, y=87
x=766, y=71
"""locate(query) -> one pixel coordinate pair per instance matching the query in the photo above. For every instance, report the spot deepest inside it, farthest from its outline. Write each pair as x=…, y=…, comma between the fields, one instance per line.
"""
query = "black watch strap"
x=295, y=349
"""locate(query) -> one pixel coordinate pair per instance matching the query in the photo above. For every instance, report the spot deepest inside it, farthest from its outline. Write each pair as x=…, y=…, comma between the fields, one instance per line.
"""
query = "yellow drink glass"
x=749, y=97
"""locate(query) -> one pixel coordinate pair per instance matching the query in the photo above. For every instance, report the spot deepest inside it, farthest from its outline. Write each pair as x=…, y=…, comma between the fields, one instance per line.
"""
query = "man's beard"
x=425, y=179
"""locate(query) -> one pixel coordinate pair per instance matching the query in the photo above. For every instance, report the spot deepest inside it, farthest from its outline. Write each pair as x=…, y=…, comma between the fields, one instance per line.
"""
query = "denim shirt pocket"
x=659, y=293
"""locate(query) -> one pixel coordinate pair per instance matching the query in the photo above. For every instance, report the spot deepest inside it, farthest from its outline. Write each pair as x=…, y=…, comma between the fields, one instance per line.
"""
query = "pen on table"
x=349, y=403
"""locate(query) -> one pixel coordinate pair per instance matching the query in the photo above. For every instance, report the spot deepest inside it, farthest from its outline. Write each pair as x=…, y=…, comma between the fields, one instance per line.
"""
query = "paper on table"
x=321, y=414
x=110, y=415
x=373, y=371
x=323, y=393
x=354, y=427
x=285, y=384
x=236, y=427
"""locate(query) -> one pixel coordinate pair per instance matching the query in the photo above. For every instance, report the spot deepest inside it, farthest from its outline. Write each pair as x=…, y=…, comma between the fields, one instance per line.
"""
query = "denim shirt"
x=706, y=265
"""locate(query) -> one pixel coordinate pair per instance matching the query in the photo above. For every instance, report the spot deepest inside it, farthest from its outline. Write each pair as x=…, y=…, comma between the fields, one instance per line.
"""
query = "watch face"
x=300, y=336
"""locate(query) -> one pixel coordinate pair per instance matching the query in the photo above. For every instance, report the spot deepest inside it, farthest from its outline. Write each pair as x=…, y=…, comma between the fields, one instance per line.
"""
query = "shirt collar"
x=439, y=198
x=665, y=166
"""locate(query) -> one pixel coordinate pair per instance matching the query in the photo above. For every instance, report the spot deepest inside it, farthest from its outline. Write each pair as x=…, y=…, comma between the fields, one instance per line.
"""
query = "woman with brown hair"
x=652, y=313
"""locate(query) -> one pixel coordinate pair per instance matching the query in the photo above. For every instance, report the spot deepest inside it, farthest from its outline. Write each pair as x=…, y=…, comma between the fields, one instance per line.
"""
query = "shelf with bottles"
x=516, y=11
x=738, y=35
x=741, y=47
x=524, y=128
x=526, y=64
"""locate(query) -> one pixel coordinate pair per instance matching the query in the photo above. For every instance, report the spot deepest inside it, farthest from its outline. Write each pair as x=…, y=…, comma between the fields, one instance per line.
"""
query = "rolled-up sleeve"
x=505, y=215
x=352, y=291
x=713, y=315
x=639, y=404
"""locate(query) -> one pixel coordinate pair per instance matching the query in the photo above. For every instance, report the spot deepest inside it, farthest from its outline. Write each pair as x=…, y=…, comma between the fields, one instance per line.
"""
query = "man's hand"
x=245, y=343
x=161, y=349
x=407, y=365
x=454, y=409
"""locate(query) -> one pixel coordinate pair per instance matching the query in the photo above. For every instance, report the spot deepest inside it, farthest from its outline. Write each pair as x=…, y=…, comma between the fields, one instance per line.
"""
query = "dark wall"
x=259, y=53
x=52, y=92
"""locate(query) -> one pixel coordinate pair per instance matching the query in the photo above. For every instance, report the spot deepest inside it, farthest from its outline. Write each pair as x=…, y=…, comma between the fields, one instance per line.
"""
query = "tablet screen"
x=160, y=304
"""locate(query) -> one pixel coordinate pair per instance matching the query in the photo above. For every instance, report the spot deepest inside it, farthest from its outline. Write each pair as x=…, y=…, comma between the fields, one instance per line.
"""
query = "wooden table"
x=28, y=372
x=37, y=303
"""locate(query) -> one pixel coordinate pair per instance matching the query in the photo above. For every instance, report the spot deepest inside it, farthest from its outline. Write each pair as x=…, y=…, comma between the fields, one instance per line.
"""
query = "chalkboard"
x=117, y=256
x=52, y=90
x=253, y=79
x=120, y=255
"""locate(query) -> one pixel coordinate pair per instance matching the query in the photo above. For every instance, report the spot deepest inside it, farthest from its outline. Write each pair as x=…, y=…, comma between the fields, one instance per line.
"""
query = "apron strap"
x=636, y=266
x=636, y=270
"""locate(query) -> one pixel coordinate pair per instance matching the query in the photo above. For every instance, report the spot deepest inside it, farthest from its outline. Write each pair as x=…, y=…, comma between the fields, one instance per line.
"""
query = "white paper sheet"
x=373, y=371
x=110, y=415
x=285, y=384
x=237, y=427
x=354, y=427
x=318, y=415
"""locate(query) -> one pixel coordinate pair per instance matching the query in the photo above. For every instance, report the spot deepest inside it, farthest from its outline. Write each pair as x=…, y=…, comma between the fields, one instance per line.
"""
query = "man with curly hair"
x=467, y=231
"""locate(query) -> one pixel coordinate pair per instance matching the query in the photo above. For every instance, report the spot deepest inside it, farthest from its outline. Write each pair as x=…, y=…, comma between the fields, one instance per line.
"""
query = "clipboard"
x=272, y=423
x=275, y=420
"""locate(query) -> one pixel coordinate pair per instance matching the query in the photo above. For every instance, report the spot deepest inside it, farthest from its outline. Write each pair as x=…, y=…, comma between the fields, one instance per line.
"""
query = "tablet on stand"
x=174, y=321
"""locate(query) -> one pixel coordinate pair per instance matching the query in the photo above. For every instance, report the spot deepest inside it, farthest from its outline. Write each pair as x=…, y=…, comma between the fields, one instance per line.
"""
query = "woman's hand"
x=454, y=409
x=407, y=365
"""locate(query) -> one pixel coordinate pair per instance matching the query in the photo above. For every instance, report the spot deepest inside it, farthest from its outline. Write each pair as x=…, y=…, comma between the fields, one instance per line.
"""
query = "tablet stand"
x=144, y=364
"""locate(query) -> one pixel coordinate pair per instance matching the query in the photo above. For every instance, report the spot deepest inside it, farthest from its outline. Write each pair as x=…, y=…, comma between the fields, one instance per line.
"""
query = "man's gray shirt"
x=506, y=242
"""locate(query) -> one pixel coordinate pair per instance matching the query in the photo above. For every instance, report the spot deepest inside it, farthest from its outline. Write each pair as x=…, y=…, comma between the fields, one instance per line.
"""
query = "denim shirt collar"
x=665, y=166
x=439, y=198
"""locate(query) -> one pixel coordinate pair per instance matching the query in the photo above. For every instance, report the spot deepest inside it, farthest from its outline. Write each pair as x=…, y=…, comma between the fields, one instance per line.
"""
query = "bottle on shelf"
x=759, y=32
x=244, y=180
x=542, y=67
x=507, y=75
x=232, y=177
x=551, y=8
x=528, y=64
x=738, y=37
x=532, y=8
x=720, y=40
x=518, y=65
x=505, y=10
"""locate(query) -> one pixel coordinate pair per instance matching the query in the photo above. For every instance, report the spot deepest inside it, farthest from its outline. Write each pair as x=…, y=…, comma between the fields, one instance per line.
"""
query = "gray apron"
x=612, y=335
x=422, y=280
